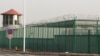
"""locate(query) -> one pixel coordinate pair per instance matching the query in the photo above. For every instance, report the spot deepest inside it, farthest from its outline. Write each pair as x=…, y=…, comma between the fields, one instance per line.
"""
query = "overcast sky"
x=36, y=10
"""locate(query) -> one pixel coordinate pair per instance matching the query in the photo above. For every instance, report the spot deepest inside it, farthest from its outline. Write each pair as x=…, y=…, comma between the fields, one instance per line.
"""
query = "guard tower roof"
x=11, y=12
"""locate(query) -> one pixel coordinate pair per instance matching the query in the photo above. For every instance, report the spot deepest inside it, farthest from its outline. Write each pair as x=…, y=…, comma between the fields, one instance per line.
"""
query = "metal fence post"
x=97, y=38
x=89, y=41
x=74, y=37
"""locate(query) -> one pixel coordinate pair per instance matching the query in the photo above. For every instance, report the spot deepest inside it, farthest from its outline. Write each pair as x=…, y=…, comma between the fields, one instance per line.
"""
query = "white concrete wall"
x=14, y=18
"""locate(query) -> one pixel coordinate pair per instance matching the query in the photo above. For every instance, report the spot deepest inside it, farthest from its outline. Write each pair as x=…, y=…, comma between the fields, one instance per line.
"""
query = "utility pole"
x=24, y=36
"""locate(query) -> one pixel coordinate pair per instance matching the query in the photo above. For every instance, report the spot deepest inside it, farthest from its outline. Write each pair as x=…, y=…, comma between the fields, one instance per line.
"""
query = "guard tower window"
x=18, y=17
x=10, y=19
x=3, y=19
x=6, y=20
x=16, y=22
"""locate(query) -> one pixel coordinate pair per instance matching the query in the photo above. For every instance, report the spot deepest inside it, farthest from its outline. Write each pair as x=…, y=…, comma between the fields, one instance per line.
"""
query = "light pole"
x=24, y=35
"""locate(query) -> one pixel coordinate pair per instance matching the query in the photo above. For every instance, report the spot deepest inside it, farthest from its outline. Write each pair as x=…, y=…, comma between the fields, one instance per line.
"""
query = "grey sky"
x=43, y=9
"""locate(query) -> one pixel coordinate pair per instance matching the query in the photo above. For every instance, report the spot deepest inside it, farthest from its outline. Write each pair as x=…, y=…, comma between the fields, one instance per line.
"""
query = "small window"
x=16, y=22
x=6, y=21
x=10, y=19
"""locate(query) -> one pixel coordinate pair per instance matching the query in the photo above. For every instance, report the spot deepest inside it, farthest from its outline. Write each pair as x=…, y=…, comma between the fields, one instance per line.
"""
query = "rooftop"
x=11, y=12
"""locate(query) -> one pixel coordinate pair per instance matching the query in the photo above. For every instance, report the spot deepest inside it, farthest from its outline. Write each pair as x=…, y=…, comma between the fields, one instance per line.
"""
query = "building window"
x=3, y=19
x=10, y=19
x=6, y=20
x=16, y=22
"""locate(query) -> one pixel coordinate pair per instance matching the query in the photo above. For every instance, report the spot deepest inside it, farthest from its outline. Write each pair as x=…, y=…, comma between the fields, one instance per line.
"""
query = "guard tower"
x=11, y=18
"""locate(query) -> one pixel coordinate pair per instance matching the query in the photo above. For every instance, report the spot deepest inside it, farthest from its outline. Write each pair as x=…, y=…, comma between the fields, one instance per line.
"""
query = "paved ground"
x=10, y=53
x=16, y=55
x=19, y=54
x=13, y=53
x=41, y=55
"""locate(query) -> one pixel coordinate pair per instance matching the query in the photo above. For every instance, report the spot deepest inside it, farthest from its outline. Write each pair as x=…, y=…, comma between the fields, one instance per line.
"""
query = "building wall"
x=50, y=32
